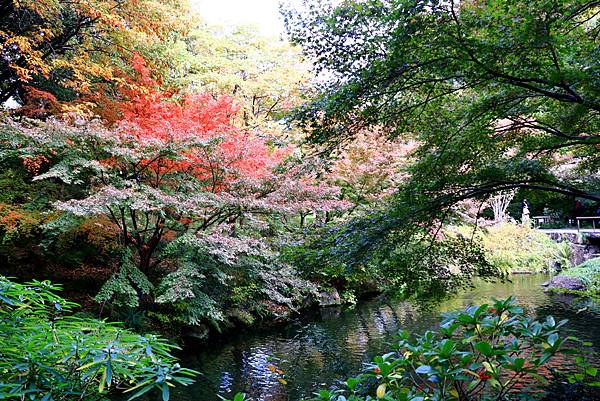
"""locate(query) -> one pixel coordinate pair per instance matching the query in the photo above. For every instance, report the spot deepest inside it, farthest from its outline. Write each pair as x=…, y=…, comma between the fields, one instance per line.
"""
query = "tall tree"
x=370, y=168
x=266, y=75
x=500, y=94
x=183, y=188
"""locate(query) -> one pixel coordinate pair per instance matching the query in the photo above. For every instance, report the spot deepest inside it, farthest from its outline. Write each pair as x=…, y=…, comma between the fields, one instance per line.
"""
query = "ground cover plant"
x=588, y=273
x=518, y=248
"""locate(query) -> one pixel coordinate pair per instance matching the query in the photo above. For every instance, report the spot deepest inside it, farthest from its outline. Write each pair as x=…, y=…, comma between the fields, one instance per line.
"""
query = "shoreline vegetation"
x=582, y=280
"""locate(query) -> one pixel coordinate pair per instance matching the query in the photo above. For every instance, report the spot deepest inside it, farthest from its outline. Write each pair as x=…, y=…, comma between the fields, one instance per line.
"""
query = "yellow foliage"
x=518, y=248
x=92, y=52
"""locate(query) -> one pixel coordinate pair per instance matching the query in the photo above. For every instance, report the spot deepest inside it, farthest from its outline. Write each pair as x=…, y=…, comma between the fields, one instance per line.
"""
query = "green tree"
x=500, y=95
x=264, y=74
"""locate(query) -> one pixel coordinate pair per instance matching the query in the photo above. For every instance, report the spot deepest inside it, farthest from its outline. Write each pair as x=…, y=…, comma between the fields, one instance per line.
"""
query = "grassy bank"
x=588, y=273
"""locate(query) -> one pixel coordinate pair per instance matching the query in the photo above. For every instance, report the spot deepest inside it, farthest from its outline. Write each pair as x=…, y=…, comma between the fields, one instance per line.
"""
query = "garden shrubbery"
x=516, y=248
x=485, y=352
x=589, y=273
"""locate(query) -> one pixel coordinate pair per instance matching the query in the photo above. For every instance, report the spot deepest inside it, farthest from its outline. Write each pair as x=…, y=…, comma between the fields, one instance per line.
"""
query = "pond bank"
x=279, y=315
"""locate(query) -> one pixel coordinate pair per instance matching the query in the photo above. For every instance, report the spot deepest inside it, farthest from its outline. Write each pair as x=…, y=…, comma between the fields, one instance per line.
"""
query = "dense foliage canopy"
x=58, y=56
x=157, y=174
x=500, y=95
x=181, y=188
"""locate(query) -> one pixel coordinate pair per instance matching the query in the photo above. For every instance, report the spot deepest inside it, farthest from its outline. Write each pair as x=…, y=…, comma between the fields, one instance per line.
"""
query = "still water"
x=336, y=343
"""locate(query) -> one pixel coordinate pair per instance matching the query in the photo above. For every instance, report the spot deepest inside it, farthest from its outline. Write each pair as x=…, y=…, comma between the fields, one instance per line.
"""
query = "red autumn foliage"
x=38, y=103
x=155, y=117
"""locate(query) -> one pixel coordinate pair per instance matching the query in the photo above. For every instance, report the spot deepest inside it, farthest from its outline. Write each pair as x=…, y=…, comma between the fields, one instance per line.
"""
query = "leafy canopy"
x=58, y=55
x=499, y=94
x=183, y=188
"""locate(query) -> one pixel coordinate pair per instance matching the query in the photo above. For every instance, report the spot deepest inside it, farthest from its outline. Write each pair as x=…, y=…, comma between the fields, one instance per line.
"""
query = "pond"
x=337, y=341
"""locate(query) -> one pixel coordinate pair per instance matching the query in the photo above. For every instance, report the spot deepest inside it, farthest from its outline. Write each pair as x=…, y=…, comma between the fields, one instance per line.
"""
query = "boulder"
x=330, y=298
x=565, y=283
x=582, y=253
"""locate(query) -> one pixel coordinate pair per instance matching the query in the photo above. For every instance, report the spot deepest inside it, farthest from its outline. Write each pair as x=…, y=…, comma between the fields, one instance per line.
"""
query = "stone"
x=565, y=283
x=330, y=298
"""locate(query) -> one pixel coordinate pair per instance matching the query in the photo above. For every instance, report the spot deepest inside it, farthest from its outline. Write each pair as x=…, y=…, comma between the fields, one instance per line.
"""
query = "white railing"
x=539, y=220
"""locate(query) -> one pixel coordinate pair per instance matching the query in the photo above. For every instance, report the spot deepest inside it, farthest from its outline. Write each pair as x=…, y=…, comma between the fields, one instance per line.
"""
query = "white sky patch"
x=263, y=14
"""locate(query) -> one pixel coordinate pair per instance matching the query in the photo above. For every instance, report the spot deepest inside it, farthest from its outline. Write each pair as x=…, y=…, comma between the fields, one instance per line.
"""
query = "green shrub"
x=518, y=248
x=482, y=353
x=46, y=353
x=425, y=268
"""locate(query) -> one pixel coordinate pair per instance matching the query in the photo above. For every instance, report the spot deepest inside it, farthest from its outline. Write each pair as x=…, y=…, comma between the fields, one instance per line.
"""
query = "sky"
x=262, y=13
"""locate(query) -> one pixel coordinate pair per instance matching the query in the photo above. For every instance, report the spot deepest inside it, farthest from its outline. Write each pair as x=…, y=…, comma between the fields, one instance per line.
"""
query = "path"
x=568, y=230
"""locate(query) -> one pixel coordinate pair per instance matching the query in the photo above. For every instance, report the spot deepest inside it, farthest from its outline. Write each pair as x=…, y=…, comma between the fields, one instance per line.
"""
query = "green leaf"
x=351, y=383
x=239, y=397
x=145, y=387
x=480, y=310
x=102, y=382
x=517, y=366
x=165, y=392
x=485, y=348
x=446, y=348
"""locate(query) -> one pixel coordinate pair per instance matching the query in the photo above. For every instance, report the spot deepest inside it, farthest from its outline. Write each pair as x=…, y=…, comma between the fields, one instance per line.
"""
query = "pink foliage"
x=370, y=167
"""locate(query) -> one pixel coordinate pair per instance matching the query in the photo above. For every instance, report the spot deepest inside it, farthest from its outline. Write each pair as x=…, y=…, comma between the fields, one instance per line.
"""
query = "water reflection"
x=339, y=341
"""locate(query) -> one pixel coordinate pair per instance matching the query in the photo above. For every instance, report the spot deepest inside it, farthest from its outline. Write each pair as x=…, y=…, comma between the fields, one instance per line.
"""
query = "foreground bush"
x=48, y=354
x=483, y=353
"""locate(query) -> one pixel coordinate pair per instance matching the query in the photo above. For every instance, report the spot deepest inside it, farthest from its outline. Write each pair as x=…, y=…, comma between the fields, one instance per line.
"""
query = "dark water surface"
x=337, y=342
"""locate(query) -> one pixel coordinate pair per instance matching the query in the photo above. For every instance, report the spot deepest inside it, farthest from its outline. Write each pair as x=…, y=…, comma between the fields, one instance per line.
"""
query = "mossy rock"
x=565, y=283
